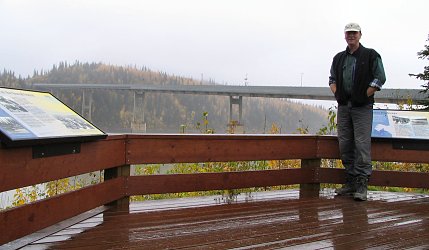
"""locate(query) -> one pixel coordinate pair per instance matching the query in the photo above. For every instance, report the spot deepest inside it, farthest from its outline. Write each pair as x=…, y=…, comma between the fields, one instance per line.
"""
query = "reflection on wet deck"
x=266, y=220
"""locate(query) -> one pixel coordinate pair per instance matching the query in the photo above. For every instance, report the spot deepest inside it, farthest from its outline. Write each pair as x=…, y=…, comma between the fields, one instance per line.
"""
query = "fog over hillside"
x=112, y=111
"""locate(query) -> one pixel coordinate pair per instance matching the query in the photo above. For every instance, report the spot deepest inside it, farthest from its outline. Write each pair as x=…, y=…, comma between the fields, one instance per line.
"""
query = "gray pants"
x=354, y=125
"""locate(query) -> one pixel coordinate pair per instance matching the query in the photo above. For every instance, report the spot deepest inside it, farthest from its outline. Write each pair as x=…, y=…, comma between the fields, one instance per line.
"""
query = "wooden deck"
x=85, y=219
x=266, y=220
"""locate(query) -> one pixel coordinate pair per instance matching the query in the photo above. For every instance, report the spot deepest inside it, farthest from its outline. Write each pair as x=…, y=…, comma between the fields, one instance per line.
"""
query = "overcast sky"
x=272, y=42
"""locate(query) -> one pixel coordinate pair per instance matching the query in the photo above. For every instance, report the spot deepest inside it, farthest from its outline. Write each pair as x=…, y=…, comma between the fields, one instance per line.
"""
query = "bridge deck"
x=267, y=220
x=316, y=93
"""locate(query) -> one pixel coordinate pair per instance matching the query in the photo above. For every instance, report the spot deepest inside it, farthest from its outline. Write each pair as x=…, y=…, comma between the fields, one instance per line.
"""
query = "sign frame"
x=400, y=124
x=30, y=117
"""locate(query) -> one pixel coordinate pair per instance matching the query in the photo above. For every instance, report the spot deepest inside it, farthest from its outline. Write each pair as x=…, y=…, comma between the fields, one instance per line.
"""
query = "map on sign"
x=27, y=117
x=400, y=124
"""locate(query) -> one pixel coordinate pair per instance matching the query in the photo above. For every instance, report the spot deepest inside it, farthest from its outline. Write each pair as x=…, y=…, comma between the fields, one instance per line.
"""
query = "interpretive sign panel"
x=400, y=124
x=31, y=117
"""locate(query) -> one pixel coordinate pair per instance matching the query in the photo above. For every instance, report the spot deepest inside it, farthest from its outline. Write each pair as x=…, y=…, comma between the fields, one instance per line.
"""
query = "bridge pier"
x=236, y=126
x=87, y=104
x=237, y=100
x=138, y=123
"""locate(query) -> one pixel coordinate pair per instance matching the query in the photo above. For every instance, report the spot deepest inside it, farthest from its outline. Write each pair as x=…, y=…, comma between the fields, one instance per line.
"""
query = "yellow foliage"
x=402, y=166
x=58, y=187
x=19, y=198
x=25, y=195
x=274, y=129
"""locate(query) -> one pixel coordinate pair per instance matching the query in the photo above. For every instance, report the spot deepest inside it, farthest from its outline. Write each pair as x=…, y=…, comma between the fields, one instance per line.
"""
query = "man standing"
x=355, y=75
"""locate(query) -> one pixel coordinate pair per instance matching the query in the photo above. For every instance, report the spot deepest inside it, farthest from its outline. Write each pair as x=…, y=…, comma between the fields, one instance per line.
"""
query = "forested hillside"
x=112, y=110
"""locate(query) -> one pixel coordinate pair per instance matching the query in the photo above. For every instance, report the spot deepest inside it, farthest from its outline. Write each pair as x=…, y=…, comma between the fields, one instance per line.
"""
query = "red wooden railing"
x=116, y=153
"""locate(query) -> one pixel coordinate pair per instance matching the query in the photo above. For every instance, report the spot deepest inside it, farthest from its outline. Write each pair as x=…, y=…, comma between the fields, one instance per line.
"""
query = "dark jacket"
x=365, y=58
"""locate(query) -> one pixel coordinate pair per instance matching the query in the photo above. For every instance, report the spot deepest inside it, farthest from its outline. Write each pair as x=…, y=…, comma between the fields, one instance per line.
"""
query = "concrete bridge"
x=235, y=93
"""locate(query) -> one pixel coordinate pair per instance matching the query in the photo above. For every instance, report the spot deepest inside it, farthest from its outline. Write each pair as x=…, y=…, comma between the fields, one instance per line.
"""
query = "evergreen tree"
x=424, y=76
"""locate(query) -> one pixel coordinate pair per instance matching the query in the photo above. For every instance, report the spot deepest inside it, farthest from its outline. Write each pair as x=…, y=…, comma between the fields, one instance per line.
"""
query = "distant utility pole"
x=301, y=78
x=245, y=81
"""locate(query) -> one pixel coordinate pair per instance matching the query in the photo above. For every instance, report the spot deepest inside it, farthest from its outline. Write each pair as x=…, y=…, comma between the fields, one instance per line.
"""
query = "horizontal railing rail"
x=115, y=154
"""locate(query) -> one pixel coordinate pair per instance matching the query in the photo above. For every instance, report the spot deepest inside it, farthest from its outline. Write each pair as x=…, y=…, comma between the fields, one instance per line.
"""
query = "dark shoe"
x=349, y=188
x=361, y=188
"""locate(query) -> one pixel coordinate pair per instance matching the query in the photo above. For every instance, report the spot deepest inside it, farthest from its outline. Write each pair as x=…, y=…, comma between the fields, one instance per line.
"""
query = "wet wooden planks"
x=268, y=220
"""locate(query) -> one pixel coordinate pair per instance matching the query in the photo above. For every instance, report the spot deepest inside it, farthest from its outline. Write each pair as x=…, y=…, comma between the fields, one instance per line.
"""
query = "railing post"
x=312, y=188
x=122, y=204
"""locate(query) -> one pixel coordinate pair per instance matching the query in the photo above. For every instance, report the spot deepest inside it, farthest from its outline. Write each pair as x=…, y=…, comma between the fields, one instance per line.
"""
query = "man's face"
x=352, y=37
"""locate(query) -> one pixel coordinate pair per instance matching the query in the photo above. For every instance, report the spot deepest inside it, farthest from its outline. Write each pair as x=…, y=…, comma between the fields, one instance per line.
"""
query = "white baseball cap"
x=352, y=27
